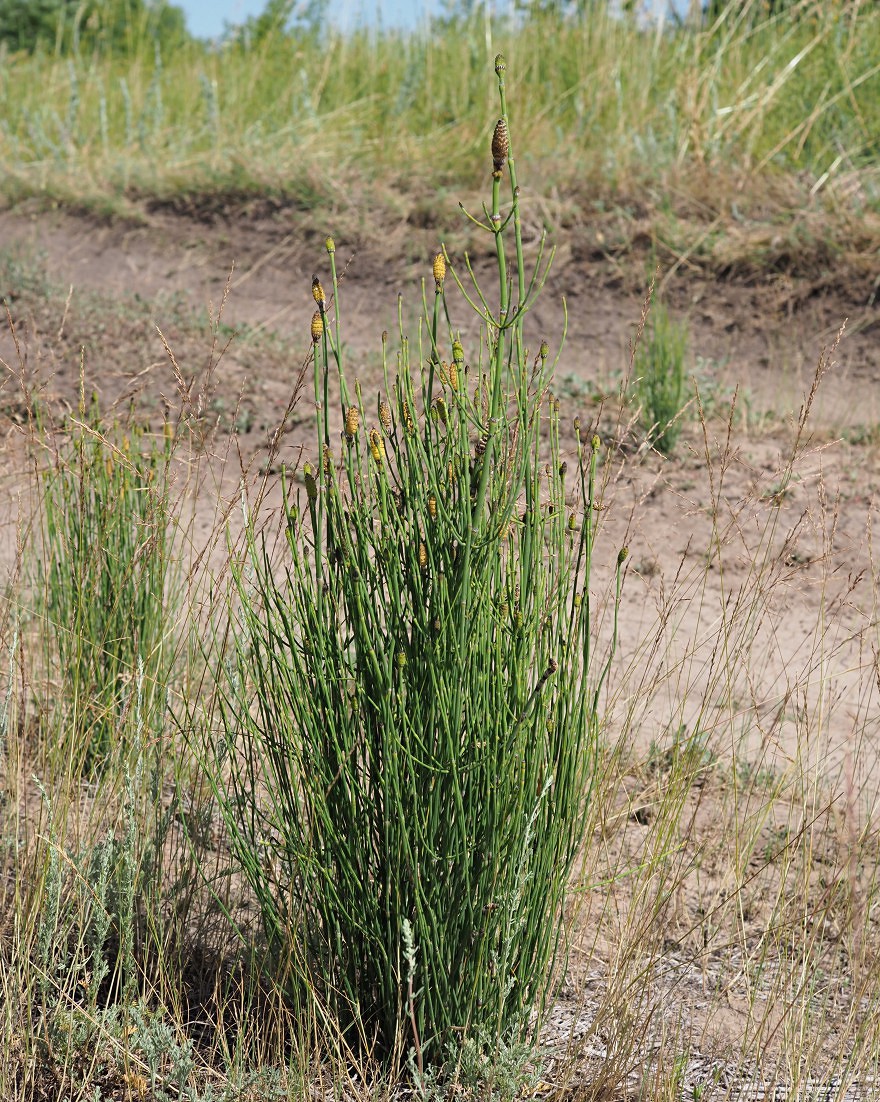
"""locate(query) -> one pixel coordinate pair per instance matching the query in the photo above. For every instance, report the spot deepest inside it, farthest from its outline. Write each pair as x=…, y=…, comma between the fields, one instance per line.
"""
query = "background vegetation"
x=750, y=112
x=67, y=27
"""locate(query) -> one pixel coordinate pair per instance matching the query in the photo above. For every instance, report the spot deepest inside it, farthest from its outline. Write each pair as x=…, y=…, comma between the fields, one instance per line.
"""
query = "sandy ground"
x=801, y=558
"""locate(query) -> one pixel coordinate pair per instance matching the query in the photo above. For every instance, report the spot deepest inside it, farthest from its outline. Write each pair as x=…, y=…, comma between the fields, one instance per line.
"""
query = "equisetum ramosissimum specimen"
x=428, y=672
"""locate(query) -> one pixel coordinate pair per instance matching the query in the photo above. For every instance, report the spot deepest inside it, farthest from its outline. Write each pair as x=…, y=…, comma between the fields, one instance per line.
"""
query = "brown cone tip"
x=500, y=145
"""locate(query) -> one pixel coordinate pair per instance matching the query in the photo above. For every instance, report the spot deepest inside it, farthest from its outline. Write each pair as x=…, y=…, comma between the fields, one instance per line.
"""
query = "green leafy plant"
x=659, y=367
x=411, y=701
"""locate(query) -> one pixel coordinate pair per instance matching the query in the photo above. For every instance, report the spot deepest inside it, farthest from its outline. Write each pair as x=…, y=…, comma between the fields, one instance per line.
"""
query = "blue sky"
x=207, y=18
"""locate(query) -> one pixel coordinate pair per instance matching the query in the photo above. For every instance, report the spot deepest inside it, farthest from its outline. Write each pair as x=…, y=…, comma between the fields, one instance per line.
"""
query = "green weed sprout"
x=659, y=378
x=411, y=704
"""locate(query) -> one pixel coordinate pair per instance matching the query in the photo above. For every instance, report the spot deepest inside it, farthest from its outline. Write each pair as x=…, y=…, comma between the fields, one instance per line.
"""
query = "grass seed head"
x=439, y=270
x=318, y=293
x=500, y=148
x=317, y=326
x=352, y=420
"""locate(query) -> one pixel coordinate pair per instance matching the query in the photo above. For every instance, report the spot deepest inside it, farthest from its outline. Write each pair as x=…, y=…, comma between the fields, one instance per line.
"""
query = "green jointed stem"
x=514, y=191
x=412, y=714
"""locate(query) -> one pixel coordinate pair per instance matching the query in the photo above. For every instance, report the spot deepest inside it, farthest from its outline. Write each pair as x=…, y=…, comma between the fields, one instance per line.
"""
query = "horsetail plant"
x=105, y=579
x=411, y=711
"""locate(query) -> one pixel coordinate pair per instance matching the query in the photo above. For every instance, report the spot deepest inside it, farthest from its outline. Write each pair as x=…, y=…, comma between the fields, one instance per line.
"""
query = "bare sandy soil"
x=750, y=615
x=760, y=340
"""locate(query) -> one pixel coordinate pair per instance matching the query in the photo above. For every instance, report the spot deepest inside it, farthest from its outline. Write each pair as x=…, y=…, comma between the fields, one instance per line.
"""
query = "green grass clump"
x=104, y=580
x=659, y=367
x=411, y=701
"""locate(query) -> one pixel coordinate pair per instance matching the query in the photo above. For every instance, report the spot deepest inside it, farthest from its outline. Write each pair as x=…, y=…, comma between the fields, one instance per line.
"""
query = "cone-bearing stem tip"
x=439, y=271
x=352, y=420
x=500, y=146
